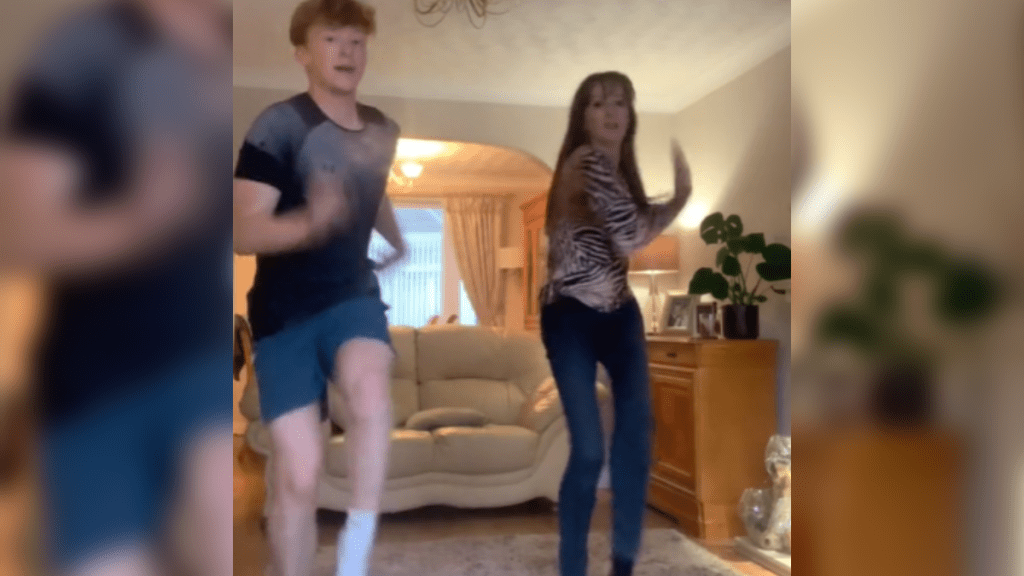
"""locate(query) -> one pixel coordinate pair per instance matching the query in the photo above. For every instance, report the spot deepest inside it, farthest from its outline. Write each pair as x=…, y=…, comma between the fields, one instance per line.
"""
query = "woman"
x=597, y=215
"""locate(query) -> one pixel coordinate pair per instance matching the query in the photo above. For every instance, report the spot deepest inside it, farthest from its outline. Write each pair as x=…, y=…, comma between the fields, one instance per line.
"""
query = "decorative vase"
x=740, y=322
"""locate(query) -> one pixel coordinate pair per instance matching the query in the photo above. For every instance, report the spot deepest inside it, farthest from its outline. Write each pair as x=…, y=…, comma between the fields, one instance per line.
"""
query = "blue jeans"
x=577, y=337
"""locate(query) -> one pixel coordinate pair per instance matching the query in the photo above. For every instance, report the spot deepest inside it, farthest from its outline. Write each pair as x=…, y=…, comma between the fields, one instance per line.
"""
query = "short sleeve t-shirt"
x=103, y=81
x=291, y=143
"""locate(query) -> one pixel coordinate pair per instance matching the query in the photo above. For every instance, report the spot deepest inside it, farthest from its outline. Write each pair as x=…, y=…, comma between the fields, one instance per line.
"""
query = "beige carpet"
x=664, y=553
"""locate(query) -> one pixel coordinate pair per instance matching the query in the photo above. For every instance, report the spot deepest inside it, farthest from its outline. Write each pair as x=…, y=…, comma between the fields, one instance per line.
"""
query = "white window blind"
x=412, y=288
x=415, y=288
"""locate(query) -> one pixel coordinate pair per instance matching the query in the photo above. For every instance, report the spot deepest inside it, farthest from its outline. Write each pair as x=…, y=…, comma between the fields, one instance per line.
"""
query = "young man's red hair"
x=338, y=13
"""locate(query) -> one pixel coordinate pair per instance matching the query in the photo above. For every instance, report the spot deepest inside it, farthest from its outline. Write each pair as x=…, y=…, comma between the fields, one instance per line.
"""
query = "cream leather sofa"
x=519, y=456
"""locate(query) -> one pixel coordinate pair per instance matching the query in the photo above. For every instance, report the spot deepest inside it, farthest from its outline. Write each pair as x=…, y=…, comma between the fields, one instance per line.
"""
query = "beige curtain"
x=475, y=223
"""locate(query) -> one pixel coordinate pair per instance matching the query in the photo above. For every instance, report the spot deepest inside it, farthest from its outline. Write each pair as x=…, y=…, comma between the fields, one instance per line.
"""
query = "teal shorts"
x=293, y=366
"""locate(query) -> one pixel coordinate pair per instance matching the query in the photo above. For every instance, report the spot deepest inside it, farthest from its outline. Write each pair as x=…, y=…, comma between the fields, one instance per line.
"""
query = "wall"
x=737, y=142
x=927, y=118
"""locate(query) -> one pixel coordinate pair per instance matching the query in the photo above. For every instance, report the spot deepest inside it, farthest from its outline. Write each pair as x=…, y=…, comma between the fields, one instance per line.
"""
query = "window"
x=466, y=313
x=427, y=283
x=413, y=288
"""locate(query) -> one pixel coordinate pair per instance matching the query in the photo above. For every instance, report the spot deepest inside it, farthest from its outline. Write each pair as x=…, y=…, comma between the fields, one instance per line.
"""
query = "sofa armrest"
x=545, y=407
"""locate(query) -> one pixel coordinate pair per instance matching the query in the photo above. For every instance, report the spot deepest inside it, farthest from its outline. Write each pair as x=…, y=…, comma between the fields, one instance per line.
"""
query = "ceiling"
x=451, y=168
x=537, y=51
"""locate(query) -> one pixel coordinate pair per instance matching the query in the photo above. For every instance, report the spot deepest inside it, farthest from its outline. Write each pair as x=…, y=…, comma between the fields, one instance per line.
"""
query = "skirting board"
x=776, y=562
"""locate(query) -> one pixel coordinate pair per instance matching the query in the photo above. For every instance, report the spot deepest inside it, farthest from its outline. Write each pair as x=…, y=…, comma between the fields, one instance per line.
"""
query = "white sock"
x=355, y=543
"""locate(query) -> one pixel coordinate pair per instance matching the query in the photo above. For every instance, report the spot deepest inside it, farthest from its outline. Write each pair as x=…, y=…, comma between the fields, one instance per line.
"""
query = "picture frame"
x=678, y=315
x=707, y=320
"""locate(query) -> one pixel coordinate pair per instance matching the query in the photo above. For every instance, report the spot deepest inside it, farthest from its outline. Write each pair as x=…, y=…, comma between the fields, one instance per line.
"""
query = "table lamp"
x=661, y=256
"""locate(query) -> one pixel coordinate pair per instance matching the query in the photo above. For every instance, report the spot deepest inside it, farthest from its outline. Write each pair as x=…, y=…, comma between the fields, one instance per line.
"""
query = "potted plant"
x=874, y=323
x=730, y=282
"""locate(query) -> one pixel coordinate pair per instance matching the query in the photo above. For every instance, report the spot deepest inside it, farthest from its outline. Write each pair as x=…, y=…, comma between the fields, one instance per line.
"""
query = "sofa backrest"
x=478, y=367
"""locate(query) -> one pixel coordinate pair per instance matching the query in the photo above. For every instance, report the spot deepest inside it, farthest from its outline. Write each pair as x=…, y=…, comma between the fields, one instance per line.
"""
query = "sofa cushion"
x=440, y=417
x=404, y=399
x=412, y=453
x=500, y=400
x=492, y=449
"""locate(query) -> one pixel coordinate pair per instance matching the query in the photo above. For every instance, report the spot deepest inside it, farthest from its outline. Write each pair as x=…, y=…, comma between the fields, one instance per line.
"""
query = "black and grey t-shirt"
x=103, y=82
x=290, y=144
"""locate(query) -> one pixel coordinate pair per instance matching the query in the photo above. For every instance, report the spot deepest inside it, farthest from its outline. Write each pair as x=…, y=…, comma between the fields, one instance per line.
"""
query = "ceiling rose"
x=430, y=13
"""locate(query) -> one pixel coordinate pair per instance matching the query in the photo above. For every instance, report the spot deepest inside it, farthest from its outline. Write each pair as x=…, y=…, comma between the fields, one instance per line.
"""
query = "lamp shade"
x=510, y=258
x=661, y=255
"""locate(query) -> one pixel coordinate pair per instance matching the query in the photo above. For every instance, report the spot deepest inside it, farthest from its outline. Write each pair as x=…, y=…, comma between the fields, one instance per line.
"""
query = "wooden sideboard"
x=534, y=258
x=714, y=411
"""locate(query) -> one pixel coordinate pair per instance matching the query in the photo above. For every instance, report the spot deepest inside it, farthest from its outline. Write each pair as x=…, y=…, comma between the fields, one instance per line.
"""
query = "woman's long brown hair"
x=576, y=136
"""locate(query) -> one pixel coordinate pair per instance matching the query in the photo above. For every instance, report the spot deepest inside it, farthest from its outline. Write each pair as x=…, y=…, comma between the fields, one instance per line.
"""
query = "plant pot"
x=902, y=395
x=740, y=322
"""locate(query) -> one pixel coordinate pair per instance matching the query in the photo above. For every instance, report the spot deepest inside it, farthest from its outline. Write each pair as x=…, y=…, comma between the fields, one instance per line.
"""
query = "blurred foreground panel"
x=115, y=284
x=908, y=368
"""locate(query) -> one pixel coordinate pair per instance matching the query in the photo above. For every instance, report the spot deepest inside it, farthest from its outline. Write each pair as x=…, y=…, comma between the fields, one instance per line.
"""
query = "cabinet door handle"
x=672, y=354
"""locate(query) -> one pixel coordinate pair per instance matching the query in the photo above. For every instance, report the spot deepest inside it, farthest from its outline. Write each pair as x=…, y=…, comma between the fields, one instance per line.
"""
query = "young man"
x=114, y=188
x=309, y=190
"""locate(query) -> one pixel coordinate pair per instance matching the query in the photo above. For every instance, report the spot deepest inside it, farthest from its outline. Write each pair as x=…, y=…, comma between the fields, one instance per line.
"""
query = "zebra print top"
x=589, y=260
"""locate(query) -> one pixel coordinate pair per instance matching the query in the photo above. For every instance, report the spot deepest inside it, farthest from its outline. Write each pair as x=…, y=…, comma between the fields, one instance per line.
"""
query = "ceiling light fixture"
x=409, y=148
x=431, y=12
x=412, y=169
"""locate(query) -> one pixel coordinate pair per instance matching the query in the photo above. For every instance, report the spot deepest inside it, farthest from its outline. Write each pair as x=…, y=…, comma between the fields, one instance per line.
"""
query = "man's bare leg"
x=207, y=501
x=298, y=457
x=129, y=560
x=364, y=373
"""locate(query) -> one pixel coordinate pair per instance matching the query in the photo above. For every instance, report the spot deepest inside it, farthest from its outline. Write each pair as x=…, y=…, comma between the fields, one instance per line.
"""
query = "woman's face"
x=606, y=116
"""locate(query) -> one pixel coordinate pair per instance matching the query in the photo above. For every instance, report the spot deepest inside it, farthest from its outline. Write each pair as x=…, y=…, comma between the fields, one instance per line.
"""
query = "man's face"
x=334, y=57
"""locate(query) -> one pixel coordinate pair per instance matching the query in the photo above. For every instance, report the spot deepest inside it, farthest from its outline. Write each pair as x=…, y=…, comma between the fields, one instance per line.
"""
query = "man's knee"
x=297, y=481
x=365, y=378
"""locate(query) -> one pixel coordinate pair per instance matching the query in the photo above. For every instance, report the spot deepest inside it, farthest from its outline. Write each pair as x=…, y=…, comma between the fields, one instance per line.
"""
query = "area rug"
x=665, y=553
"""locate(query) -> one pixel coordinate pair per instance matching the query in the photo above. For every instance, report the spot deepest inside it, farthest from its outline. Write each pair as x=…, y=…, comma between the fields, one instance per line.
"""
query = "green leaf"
x=733, y=227
x=712, y=228
x=719, y=287
x=755, y=243
x=966, y=292
x=777, y=290
x=723, y=253
x=925, y=257
x=761, y=298
x=731, y=266
x=880, y=291
x=777, y=253
x=776, y=265
x=850, y=325
x=702, y=281
x=736, y=245
x=771, y=272
x=877, y=232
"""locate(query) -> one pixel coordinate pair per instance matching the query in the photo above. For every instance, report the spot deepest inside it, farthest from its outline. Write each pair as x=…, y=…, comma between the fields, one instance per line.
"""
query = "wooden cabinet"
x=534, y=258
x=714, y=411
